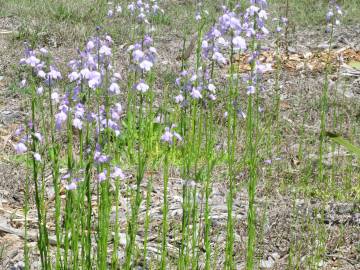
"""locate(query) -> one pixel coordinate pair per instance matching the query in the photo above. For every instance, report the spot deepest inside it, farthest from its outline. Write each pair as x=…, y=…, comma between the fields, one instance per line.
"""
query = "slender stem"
x=165, y=211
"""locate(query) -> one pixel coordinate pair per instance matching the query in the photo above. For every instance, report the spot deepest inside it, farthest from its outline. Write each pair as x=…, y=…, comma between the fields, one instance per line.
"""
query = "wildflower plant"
x=333, y=16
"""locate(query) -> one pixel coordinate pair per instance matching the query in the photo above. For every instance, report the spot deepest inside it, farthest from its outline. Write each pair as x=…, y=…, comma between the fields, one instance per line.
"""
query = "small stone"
x=6, y=112
x=275, y=256
x=267, y=264
x=19, y=266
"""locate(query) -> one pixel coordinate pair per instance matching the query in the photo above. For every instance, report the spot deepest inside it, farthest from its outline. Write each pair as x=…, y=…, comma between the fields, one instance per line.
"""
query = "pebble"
x=18, y=266
x=267, y=264
x=275, y=256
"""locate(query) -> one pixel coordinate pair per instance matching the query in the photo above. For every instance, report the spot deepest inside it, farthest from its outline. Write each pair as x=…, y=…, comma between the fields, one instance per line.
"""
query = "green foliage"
x=345, y=143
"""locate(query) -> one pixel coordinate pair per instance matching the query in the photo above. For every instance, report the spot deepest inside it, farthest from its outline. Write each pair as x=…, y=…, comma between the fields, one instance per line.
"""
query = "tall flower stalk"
x=256, y=16
x=332, y=18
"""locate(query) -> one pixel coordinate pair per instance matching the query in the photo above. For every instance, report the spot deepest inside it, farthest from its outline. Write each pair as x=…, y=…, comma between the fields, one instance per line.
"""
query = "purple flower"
x=211, y=88
x=90, y=45
x=329, y=15
x=146, y=65
x=142, y=87
x=55, y=97
x=20, y=148
x=54, y=74
x=105, y=50
x=101, y=158
x=23, y=83
x=117, y=173
x=118, y=107
x=167, y=136
x=85, y=73
x=115, y=115
x=204, y=44
x=37, y=157
x=66, y=176
x=19, y=131
x=41, y=74
x=263, y=14
x=116, y=76
x=198, y=16
x=252, y=10
x=77, y=123
x=235, y=23
x=265, y=30
x=38, y=136
x=79, y=110
x=222, y=42
x=153, y=50
x=268, y=161
x=147, y=40
x=195, y=93
x=219, y=58
x=32, y=61
x=102, y=176
x=74, y=76
x=260, y=68
x=131, y=7
x=114, y=88
x=60, y=118
x=94, y=79
x=177, y=136
x=142, y=17
x=44, y=51
x=212, y=97
x=251, y=90
x=71, y=186
x=193, y=78
x=138, y=55
x=118, y=9
x=239, y=43
x=179, y=98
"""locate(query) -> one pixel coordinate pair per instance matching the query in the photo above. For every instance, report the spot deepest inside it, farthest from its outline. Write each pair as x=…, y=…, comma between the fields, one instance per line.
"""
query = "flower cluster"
x=110, y=121
x=36, y=61
x=195, y=85
x=142, y=9
x=113, y=10
x=170, y=135
x=255, y=18
x=232, y=31
x=143, y=57
x=333, y=15
x=94, y=63
x=225, y=34
x=23, y=144
x=201, y=13
x=116, y=173
x=71, y=182
x=93, y=70
x=143, y=54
